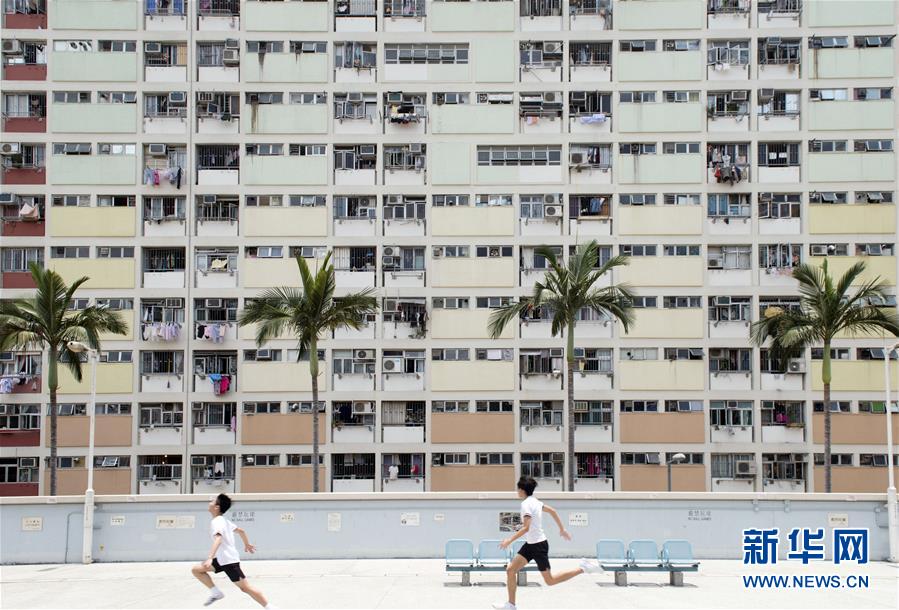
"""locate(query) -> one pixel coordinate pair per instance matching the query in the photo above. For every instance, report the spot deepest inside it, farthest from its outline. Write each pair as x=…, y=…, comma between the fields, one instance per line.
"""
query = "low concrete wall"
x=385, y=525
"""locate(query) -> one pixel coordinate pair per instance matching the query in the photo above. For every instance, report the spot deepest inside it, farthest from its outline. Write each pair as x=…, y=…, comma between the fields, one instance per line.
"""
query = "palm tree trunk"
x=313, y=370
x=52, y=384
x=569, y=368
x=826, y=377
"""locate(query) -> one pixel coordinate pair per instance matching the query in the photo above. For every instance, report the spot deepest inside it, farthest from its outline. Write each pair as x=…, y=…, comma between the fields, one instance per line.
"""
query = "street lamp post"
x=88, y=536
x=677, y=458
x=892, y=516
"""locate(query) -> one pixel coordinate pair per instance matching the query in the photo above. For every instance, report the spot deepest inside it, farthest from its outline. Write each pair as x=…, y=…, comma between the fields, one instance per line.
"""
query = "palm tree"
x=826, y=308
x=307, y=313
x=565, y=291
x=45, y=321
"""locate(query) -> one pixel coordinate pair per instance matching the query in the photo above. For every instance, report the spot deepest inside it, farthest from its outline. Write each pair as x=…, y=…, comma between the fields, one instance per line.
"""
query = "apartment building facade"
x=181, y=153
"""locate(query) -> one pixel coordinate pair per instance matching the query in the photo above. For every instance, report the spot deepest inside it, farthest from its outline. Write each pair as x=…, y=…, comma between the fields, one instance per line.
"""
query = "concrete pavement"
x=423, y=584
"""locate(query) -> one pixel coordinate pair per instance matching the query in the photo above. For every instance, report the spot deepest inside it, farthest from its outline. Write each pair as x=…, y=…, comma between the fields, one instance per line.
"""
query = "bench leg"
x=621, y=579
x=466, y=579
x=676, y=579
x=522, y=578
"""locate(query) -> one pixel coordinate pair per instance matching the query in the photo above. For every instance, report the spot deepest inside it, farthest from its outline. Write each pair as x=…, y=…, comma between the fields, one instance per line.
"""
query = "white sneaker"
x=213, y=597
x=504, y=606
x=589, y=567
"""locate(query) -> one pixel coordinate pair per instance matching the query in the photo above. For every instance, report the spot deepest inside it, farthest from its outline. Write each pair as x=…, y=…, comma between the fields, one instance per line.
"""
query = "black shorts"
x=232, y=570
x=539, y=552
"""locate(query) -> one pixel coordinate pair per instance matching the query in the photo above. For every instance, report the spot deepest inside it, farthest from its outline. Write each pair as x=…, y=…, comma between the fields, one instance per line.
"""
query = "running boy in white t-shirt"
x=223, y=555
x=535, y=545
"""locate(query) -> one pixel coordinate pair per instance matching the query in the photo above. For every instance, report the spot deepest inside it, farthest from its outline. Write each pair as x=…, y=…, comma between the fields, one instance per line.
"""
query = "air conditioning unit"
x=578, y=353
x=796, y=365
x=550, y=97
x=819, y=250
x=252, y=98
x=390, y=261
x=390, y=305
x=393, y=365
x=152, y=48
x=198, y=460
x=10, y=148
x=576, y=158
x=739, y=96
x=550, y=199
x=177, y=97
x=638, y=199
x=7, y=198
x=391, y=251
x=415, y=148
x=552, y=211
x=367, y=150
x=263, y=354
x=156, y=150
x=394, y=97
x=580, y=406
x=12, y=47
x=552, y=47
x=394, y=199
x=29, y=462
x=213, y=303
x=231, y=57
x=722, y=301
x=364, y=354
x=765, y=95
x=209, y=199
x=354, y=98
x=363, y=407
x=103, y=252
x=205, y=97
x=174, y=302
x=437, y=252
x=716, y=263
x=745, y=468
x=232, y=43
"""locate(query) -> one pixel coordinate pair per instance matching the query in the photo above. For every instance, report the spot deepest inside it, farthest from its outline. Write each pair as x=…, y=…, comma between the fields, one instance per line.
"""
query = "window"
x=264, y=252
x=672, y=302
x=727, y=53
x=783, y=413
x=541, y=361
x=639, y=353
x=213, y=414
x=873, y=145
x=116, y=97
x=828, y=95
x=780, y=256
x=449, y=406
x=450, y=354
x=727, y=465
x=628, y=459
x=637, y=97
x=73, y=46
x=431, y=53
x=450, y=201
x=873, y=93
x=637, y=199
x=262, y=355
x=680, y=97
x=308, y=98
x=876, y=406
x=638, y=249
x=116, y=149
x=593, y=412
x=836, y=406
x=519, y=155
x=115, y=252
x=542, y=465
x=356, y=55
x=303, y=459
x=82, y=148
x=72, y=97
x=593, y=359
x=17, y=260
x=70, y=252
x=873, y=197
x=494, y=354
x=449, y=459
x=117, y=46
x=493, y=251
x=680, y=148
x=828, y=146
x=493, y=406
x=259, y=408
x=263, y=47
x=828, y=42
x=680, y=250
x=729, y=309
x=778, y=154
x=737, y=360
x=639, y=406
x=779, y=205
x=680, y=45
x=261, y=459
x=730, y=413
x=827, y=197
x=115, y=356
x=162, y=363
x=637, y=46
x=689, y=458
x=492, y=302
x=450, y=303
x=20, y=417
x=493, y=459
x=646, y=148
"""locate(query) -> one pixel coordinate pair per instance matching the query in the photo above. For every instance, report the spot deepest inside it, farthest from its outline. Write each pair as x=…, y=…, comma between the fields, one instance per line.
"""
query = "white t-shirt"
x=533, y=508
x=227, y=551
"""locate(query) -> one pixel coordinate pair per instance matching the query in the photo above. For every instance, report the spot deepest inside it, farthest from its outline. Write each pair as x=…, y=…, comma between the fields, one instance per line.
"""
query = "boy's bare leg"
x=515, y=566
x=202, y=574
x=245, y=586
x=550, y=579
